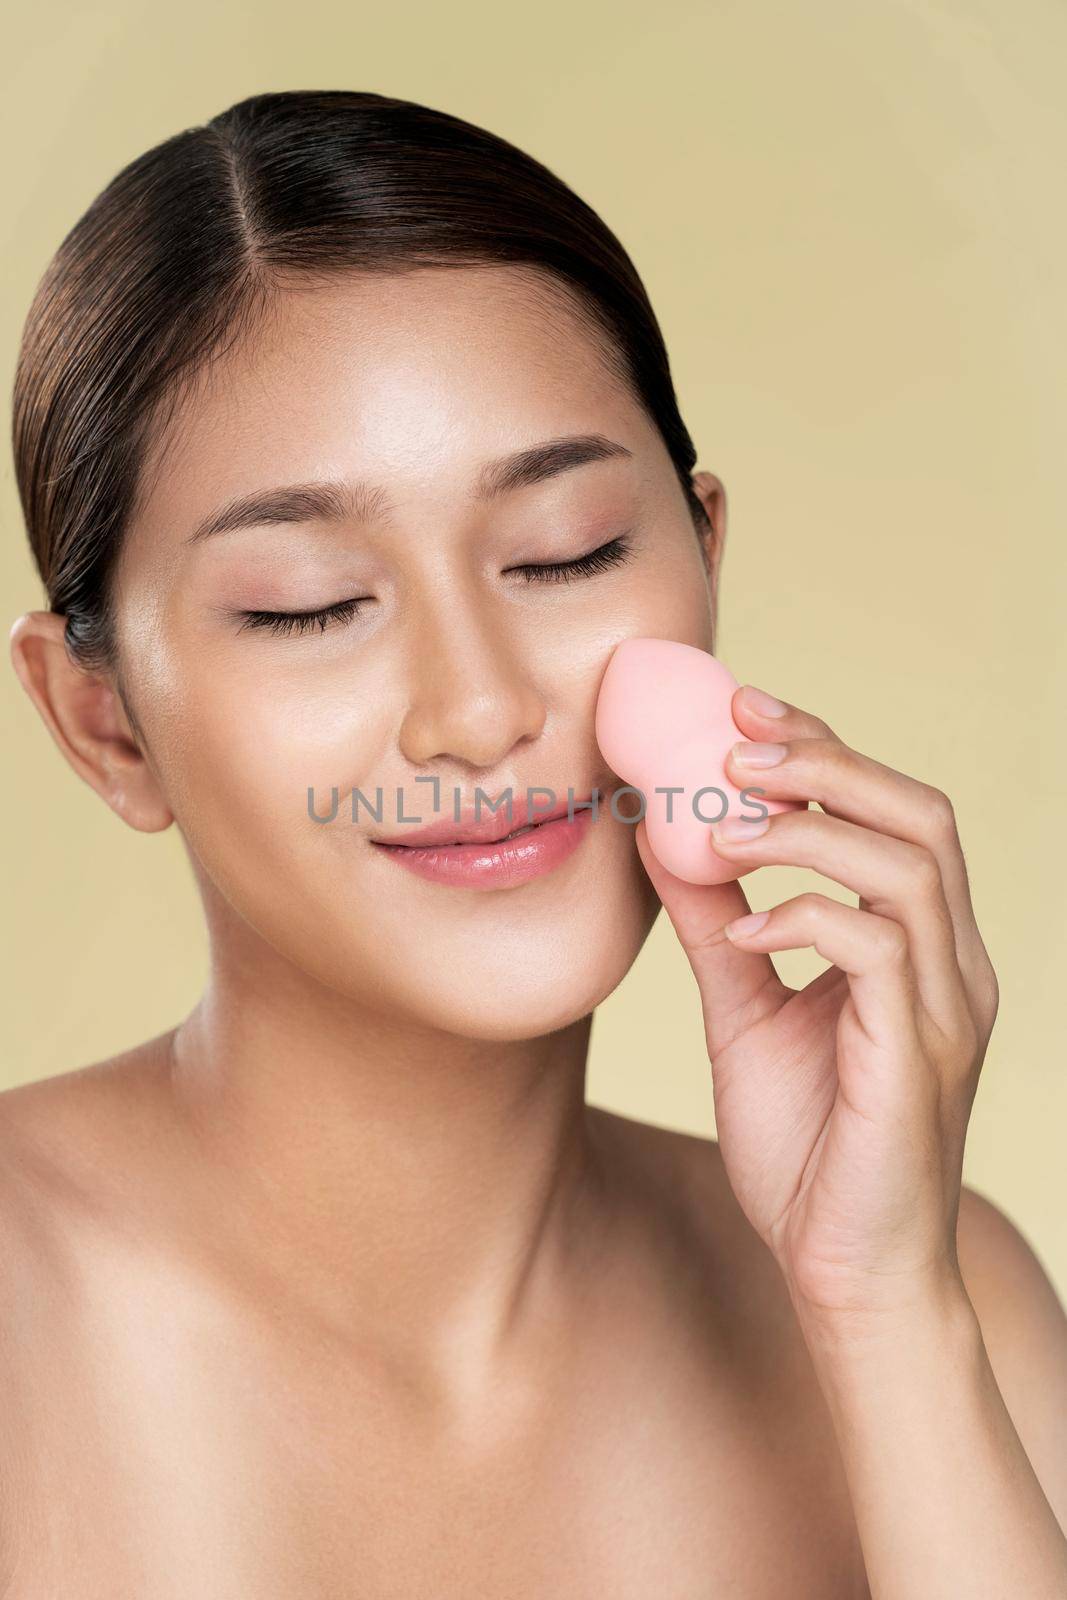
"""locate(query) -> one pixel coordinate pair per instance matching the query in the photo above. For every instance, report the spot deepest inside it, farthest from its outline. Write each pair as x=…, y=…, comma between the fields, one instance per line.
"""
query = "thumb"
x=737, y=987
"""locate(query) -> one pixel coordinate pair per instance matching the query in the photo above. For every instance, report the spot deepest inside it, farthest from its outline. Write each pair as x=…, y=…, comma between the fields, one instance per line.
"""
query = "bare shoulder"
x=683, y=1175
x=62, y=1138
x=996, y=1258
x=685, y=1168
x=65, y=1144
x=1024, y=1330
x=1021, y=1315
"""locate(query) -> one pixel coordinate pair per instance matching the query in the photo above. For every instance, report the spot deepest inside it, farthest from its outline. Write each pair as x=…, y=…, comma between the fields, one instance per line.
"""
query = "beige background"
x=849, y=217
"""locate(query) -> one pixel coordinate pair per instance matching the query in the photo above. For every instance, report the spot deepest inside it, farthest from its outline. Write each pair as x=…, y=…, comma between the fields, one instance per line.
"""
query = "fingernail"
x=738, y=828
x=741, y=927
x=751, y=754
x=765, y=704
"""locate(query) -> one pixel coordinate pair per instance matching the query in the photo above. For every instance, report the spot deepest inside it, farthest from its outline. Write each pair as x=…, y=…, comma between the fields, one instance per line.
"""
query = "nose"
x=472, y=698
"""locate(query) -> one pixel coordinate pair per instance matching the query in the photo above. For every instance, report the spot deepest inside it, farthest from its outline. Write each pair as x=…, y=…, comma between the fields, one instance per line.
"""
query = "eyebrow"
x=364, y=502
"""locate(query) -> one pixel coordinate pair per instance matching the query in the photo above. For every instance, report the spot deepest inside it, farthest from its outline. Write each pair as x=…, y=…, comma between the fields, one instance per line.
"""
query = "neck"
x=429, y=1194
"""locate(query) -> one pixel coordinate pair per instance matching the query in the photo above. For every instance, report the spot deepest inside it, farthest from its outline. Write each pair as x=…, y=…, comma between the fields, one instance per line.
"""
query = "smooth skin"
x=841, y=1112
x=339, y=1286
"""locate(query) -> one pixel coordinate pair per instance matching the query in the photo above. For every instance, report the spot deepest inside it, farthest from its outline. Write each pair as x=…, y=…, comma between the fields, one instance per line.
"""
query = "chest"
x=172, y=1461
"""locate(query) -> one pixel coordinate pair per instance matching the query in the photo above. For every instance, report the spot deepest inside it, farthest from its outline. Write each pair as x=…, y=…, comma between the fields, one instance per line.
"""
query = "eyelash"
x=287, y=622
x=599, y=560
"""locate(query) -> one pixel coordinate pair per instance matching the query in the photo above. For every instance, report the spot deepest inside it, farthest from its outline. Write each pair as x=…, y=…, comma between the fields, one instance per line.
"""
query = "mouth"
x=487, y=831
x=451, y=844
x=531, y=849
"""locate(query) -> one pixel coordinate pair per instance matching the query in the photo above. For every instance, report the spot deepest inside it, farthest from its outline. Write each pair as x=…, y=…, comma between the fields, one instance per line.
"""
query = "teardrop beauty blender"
x=663, y=721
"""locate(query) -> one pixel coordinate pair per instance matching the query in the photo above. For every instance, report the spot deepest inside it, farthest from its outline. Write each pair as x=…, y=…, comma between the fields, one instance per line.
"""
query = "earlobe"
x=85, y=716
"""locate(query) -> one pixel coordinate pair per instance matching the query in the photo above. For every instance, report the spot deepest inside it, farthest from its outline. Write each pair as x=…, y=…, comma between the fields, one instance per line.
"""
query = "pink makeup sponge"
x=663, y=720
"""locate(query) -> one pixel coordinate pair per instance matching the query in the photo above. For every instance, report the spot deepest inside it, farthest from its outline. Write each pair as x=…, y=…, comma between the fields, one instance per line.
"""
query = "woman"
x=349, y=451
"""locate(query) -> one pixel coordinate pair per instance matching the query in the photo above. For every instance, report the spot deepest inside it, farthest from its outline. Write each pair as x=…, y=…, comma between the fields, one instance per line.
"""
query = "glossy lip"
x=487, y=828
x=496, y=863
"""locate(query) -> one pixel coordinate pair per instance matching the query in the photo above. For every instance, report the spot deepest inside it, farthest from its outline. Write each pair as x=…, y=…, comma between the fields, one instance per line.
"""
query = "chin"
x=543, y=990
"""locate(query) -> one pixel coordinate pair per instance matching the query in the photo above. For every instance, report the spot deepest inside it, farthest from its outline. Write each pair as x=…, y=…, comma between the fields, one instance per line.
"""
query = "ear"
x=712, y=496
x=87, y=719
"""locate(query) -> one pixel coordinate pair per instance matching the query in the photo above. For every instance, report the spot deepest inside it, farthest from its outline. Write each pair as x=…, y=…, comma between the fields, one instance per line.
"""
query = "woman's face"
x=399, y=391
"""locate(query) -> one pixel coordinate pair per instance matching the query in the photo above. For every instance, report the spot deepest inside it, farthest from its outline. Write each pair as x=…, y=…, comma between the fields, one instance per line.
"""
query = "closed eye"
x=288, y=622
x=606, y=555
x=301, y=621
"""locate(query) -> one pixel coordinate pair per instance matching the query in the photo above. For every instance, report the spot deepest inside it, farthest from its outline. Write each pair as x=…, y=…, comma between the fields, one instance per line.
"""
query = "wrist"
x=920, y=1318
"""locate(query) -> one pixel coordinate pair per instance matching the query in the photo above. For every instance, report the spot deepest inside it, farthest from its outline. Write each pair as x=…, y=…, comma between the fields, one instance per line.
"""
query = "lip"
x=495, y=862
x=487, y=827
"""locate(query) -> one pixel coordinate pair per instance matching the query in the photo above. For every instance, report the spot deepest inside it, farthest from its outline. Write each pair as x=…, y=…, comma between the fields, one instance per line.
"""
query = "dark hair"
x=173, y=257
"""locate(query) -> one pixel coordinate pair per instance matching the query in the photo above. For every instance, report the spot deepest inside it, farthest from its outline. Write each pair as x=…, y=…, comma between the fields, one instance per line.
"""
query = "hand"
x=842, y=1108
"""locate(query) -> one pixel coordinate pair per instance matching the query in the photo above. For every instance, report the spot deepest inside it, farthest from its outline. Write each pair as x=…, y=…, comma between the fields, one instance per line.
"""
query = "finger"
x=737, y=987
x=763, y=716
x=871, y=950
x=854, y=786
x=895, y=878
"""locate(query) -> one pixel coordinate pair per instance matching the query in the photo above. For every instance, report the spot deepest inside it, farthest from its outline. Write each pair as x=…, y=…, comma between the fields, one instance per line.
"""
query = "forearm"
x=945, y=1499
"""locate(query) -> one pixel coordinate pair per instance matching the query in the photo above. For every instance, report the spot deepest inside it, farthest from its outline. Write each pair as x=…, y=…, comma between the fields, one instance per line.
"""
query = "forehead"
x=412, y=379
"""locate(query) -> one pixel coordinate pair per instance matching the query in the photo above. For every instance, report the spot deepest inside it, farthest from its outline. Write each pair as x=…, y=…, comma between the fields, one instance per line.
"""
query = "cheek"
x=244, y=740
x=675, y=601
x=665, y=594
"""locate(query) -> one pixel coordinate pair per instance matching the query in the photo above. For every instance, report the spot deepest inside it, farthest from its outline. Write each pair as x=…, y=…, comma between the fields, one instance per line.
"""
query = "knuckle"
x=992, y=998
x=811, y=907
x=841, y=760
x=923, y=870
x=940, y=810
x=828, y=746
x=987, y=993
x=892, y=942
x=813, y=748
x=813, y=732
